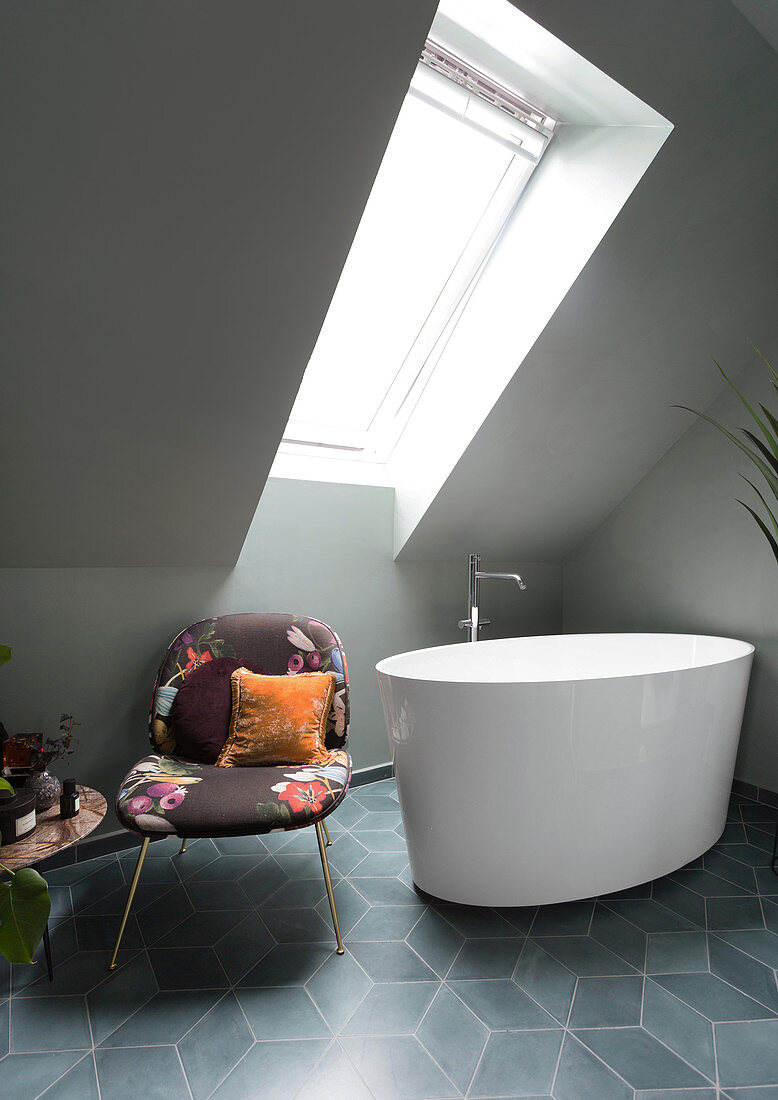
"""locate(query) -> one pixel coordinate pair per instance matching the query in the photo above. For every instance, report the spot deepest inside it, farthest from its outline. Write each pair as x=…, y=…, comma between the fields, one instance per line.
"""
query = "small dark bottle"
x=69, y=802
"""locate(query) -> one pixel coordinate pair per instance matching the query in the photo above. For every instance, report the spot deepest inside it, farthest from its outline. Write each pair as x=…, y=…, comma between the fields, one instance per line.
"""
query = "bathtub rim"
x=742, y=649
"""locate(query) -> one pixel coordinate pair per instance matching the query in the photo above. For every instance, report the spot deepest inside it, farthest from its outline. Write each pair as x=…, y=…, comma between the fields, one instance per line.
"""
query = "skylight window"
x=460, y=155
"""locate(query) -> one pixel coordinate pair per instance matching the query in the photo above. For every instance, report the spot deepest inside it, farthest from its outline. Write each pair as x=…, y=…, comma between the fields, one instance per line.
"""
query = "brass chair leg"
x=183, y=846
x=133, y=886
x=326, y=833
x=328, y=883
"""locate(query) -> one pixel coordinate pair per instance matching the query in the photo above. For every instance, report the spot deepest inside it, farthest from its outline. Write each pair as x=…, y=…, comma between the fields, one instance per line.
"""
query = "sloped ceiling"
x=687, y=272
x=181, y=184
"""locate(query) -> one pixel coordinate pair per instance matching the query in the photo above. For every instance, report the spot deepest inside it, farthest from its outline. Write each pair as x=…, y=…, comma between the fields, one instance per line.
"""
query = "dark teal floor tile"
x=200, y=929
x=337, y=988
x=163, y=914
x=348, y=814
x=436, y=941
x=345, y=853
x=520, y=916
x=650, y=915
x=377, y=803
x=195, y=857
x=770, y=1092
x=757, y=942
x=243, y=946
x=679, y=900
x=679, y=1094
x=99, y=933
x=282, y=1013
x=155, y=871
x=78, y=974
x=517, y=1063
x=298, y=893
x=756, y=812
x=151, y=1072
x=79, y=1083
x=472, y=921
x=581, y=1076
x=570, y=919
x=584, y=956
x=744, y=973
x=546, y=980
x=334, y=1076
x=711, y=997
x=620, y=936
x=297, y=926
x=228, y=868
x=731, y=870
x=607, y=1002
x=385, y=922
x=386, y=841
x=710, y=885
x=391, y=962
x=5, y=1009
x=392, y=1009
x=640, y=1059
x=260, y=883
x=96, y=886
x=386, y=891
x=349, y=903
x=187, y=968
x=397, y=1067
x=165, y=1018
x=679, y=1027
x=747, y=1053
x=288, y=964
x=746, y=853
x=642, y=890
x=676, y=953
x=453, y=1036
x=74, y=872
x=49, y=1023
x=734, y=833
x=374, y=822
x=61, y=904
x=214, y=1046
x=381, y=865
x=501, y=1005
x=121, y=993
x=732, y=913
x=281, y=1067
x=239, y=845
x=770, y=910
x=766, y=881
x=487, y=958
x=24, y=1076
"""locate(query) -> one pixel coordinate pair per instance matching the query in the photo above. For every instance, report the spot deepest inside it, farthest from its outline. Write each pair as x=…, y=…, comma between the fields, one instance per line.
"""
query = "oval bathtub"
x=540, y=770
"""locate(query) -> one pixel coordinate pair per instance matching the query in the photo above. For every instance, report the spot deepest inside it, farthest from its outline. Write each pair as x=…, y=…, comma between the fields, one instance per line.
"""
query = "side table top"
x=52, y=833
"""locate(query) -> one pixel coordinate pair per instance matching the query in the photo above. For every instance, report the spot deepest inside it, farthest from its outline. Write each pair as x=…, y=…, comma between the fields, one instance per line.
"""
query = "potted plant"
x=763, y=453
x=47, y=787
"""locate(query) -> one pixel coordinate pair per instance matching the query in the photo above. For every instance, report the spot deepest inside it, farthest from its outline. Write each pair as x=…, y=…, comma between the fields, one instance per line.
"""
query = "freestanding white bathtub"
x=539, y=770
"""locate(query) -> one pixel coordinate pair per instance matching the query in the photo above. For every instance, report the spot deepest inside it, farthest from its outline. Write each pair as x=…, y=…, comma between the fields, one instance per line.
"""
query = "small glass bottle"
x=69, y=802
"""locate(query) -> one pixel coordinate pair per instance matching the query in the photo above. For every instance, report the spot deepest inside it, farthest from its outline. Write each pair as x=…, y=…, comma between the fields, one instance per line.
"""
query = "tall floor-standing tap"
x=474, y=622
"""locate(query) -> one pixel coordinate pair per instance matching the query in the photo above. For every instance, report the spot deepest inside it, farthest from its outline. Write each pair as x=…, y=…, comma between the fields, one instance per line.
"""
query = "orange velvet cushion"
x=277, y=719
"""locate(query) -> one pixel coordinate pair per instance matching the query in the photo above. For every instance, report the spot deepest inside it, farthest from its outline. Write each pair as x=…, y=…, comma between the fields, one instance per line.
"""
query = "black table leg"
x=47, y=949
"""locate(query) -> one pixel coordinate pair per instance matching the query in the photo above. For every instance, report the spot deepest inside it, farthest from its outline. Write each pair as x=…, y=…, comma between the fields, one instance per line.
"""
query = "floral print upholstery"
x=164, y=793
x=279, y=644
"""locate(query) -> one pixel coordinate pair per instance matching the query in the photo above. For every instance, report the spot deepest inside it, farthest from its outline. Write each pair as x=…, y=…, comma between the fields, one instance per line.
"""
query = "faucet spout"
x=474, y=622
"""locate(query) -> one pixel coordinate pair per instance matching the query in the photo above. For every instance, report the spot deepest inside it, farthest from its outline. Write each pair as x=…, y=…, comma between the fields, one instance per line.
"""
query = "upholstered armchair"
x=172, y=791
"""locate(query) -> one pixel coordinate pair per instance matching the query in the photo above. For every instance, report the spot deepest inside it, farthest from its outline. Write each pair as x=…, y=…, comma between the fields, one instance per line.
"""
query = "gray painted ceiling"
x=762, y=14
x=181, y=183
x=687, y=272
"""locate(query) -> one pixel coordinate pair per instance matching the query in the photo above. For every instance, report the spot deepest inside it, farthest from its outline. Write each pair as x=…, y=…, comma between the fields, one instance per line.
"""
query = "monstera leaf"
x=24, y=910
x=5, y=653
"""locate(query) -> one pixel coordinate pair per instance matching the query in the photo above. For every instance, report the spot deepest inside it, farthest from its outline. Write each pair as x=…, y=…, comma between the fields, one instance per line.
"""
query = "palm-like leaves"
x=763, y=452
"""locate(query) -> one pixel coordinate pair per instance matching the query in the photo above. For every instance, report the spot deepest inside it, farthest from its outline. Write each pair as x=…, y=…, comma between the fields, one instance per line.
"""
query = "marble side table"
x=52, y=834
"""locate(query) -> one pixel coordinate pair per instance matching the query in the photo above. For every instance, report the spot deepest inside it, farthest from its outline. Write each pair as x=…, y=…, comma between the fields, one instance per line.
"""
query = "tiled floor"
x=229, y=986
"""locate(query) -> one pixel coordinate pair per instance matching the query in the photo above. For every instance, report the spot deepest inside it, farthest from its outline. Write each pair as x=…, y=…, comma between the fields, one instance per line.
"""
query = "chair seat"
x=166, y=794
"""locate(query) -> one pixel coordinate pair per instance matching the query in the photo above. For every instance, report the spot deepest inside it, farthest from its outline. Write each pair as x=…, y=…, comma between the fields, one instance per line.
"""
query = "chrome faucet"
x=474, y=622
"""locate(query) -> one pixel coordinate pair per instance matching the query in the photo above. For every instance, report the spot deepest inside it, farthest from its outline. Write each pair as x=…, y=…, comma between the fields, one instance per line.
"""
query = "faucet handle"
x=464, y=623
x=484, y=622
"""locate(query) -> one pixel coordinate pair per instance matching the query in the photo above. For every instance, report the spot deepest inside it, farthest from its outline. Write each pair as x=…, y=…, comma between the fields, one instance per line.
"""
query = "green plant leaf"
x=760, y=445
x=24, y=910
x=757, y=418
x=764, y=470
x=5, y=653
x=766, y=531
x=6, y=786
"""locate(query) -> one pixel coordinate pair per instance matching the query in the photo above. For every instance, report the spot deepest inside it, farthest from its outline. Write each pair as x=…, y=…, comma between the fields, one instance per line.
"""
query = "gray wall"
x=679, y=554
x=90, y=640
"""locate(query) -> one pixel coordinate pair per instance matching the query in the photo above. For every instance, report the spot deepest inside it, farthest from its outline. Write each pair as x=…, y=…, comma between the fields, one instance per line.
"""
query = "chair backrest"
x=278, y=644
